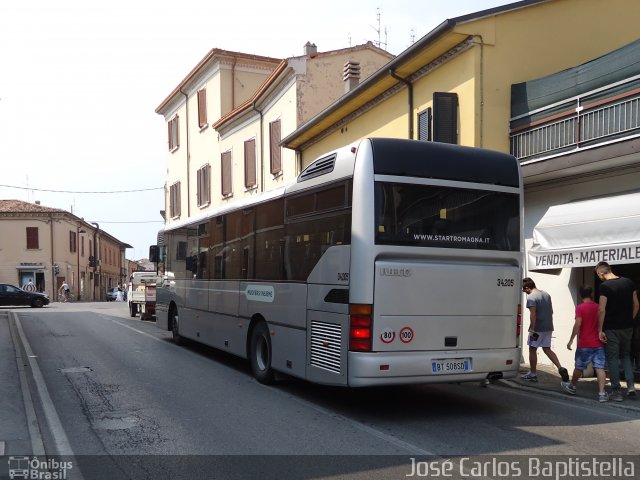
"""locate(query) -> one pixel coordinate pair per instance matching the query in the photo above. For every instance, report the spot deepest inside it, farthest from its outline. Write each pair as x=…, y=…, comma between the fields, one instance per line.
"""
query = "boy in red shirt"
x=590, y=349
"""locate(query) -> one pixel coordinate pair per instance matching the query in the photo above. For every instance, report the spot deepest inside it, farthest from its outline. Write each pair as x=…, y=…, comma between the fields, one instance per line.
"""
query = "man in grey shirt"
x=540, y=330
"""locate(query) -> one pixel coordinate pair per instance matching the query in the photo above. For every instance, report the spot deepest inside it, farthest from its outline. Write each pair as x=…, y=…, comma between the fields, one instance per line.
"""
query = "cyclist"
x=66, y=291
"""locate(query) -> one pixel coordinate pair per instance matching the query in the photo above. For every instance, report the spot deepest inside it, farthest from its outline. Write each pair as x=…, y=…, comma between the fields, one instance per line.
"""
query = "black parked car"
x=12, y=295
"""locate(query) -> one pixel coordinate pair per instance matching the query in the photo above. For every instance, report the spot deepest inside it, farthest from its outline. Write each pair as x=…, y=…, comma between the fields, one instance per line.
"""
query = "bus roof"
x=392, y=156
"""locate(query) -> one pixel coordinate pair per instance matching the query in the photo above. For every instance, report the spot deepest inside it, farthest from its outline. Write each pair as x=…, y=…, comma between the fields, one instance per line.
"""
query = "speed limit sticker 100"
x=406, y=335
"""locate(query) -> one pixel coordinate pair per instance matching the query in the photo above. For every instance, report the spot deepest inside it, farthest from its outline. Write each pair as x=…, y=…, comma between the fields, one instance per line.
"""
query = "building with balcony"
x=577, y=135
x=220, y=82
x=485, y=80
x=50, y=246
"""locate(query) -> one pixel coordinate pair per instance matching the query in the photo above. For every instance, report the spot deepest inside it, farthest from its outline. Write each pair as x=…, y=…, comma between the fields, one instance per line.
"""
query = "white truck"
x=141, y=294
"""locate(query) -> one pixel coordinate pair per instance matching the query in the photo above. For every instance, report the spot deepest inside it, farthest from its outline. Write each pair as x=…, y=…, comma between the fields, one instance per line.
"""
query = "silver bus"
x=386, y=262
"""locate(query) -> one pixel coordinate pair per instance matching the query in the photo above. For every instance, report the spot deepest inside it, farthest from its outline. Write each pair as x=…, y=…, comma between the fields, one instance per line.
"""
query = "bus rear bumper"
x=395, y=368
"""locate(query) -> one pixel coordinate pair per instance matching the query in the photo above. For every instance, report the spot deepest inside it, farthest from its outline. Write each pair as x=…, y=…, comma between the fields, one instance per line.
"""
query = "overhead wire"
x=83, y=192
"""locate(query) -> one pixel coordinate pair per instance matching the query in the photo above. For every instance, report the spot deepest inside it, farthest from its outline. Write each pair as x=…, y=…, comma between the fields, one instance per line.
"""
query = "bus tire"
x=261, y=354
x=175, y=327
x=133, y=309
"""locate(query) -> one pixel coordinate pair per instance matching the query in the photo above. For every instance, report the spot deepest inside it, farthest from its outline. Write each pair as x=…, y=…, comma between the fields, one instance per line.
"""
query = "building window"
x=445, y=117
x=73, y=244
x=82, y=246
x=174, y=200
x=274, y=145
x=204, y=185
x=424, y=125
x=32, y=238
x=227, y=188
x=202, y=108
x=250, y=163
x=174, y=134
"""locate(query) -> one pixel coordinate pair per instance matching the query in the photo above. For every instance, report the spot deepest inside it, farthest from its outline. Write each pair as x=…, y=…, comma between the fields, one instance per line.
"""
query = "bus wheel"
x=261, y=354
x=133, y=309
x=175, y=328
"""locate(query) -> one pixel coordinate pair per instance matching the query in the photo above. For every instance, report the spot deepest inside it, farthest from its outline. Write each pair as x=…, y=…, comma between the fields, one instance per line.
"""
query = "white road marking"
x=60, y=440
x=37, y=446
x=134, y=329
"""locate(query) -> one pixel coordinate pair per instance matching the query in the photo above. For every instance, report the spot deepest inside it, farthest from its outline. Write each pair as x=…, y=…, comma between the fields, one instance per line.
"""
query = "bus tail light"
x=519, y=321
x=360, y=327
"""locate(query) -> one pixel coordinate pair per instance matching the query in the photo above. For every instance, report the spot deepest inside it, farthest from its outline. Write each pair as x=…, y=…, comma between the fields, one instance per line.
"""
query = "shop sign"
x=585, y=257
x=30, y=266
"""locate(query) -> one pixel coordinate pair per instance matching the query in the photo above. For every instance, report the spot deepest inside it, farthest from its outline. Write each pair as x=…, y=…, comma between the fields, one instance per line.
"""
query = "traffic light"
x=154, y=254
x=56, y=269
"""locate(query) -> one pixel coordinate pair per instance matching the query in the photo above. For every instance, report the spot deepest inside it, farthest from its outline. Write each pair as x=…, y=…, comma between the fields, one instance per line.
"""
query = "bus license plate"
x=451, y=365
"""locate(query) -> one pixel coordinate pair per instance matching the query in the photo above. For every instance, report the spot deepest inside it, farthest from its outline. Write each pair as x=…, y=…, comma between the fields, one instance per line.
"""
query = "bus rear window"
x=446, y=217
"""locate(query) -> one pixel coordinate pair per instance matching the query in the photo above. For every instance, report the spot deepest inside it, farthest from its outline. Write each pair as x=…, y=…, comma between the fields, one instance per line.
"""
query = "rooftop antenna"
x=28, y=191
x=413, y=36
x=378, y=30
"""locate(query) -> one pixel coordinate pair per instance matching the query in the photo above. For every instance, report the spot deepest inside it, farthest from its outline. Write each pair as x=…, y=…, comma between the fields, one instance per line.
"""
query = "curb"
x=625, y=405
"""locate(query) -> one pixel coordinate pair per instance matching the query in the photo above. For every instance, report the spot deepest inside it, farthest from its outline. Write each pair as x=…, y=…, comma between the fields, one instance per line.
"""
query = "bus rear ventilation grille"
x=326, y=346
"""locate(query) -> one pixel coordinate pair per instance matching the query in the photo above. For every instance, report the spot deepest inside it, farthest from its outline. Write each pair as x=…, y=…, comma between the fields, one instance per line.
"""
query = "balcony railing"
x=590, y=119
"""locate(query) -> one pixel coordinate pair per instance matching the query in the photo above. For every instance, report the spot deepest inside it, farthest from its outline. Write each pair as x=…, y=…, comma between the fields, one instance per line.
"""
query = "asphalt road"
x=120, y=387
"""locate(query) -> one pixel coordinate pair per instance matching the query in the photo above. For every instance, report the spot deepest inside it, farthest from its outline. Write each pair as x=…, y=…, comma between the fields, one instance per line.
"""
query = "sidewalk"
x=14, y=431
x=587, y=388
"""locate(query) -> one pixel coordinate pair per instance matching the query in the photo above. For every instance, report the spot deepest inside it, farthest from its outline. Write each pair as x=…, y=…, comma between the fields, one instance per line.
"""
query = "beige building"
x=231, y=149
x=220, y=82
x=458, y=84
x=50, y=246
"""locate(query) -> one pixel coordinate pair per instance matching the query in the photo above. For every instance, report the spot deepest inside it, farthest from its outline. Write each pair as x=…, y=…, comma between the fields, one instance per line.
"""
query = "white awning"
x=581, y=234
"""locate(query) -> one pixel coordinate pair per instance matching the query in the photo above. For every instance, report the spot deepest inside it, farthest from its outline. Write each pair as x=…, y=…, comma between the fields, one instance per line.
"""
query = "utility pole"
x=96, y=268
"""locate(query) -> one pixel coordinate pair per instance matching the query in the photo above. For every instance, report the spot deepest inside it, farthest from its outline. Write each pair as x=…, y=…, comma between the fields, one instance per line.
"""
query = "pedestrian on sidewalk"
x=617, y=308
x=540, y=330
x=590, y=348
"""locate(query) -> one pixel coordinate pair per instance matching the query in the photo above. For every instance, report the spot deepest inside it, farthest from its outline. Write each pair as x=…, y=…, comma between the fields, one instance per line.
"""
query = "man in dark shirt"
x=617, y=308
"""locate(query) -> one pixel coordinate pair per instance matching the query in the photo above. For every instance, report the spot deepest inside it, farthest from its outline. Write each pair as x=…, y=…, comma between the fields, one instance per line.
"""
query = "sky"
x=80, y=81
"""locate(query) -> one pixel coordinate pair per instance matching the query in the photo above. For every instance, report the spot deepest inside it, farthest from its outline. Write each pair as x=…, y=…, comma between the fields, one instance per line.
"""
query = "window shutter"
x=202, y=107
x=199, y=187
x=275, y=150
x=174, y=133
x=204, y=183
x=250, y=163
x=445, y=117
x=32, y=238
x=206, y=187
x=178, y=200
x=174, y=194
x=226, y=174
x=424, y=125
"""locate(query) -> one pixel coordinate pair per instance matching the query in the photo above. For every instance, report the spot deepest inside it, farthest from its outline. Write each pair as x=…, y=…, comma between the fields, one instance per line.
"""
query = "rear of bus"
x=436, y=264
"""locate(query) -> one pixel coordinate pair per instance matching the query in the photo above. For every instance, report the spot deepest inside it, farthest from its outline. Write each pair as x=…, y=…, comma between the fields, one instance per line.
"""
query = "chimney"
x=351, y=75
x=310, y=50
x=37, y=202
